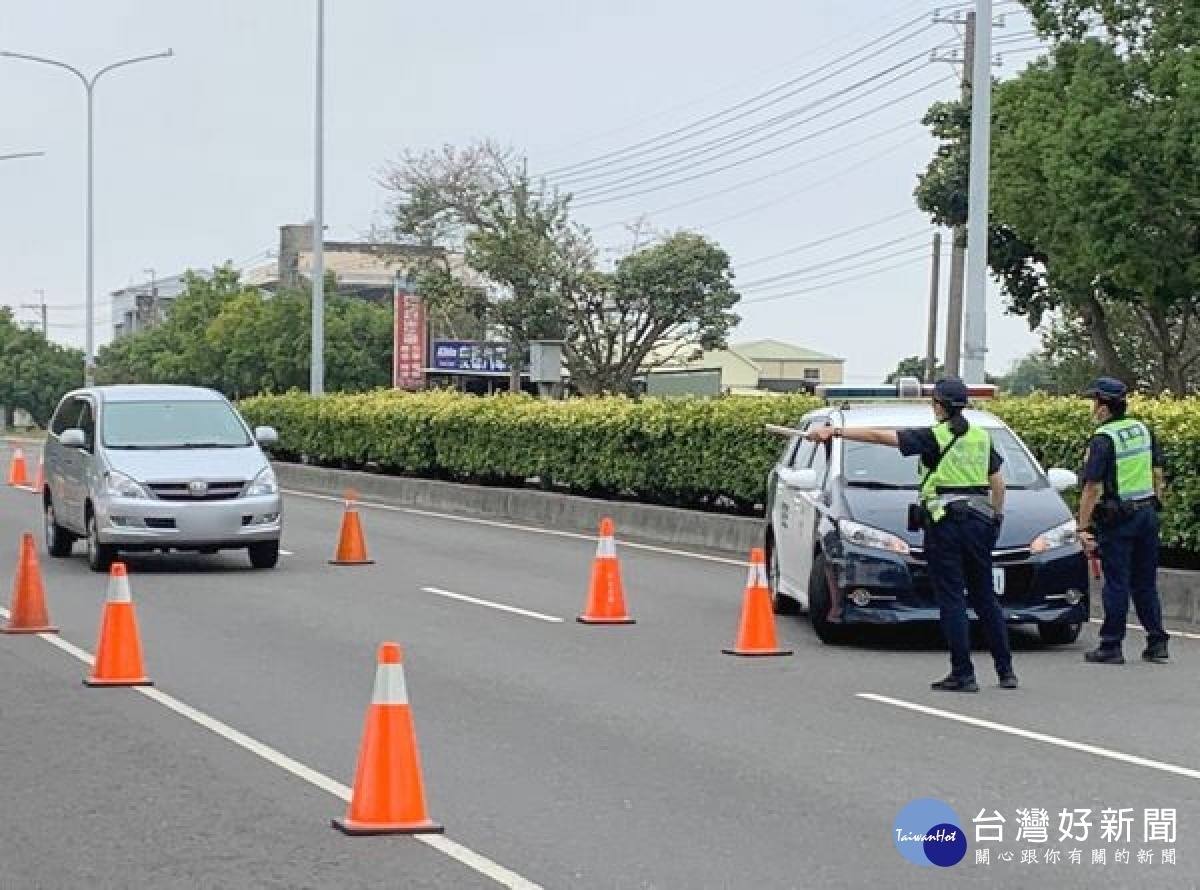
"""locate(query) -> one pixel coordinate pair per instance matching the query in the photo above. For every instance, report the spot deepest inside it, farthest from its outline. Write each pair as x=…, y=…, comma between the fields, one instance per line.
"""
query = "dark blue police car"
x=838, y=546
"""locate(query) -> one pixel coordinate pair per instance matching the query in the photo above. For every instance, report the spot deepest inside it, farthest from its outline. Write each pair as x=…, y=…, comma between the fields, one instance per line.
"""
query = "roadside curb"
x=732, y=536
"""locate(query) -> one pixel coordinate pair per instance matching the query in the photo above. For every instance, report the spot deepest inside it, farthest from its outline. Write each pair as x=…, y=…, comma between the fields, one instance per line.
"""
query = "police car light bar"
x=906, y=388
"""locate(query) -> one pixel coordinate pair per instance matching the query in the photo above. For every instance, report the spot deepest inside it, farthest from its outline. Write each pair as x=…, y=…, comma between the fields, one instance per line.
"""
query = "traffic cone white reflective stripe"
x=756, y=575
x=606, y=548
x=390, y=688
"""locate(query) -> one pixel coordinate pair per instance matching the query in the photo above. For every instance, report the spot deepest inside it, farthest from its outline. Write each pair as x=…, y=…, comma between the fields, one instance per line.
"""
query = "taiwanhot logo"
x=928, y=832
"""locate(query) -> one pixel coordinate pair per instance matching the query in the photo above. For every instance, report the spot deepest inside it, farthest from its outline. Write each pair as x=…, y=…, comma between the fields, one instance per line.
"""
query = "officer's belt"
x=960, y=507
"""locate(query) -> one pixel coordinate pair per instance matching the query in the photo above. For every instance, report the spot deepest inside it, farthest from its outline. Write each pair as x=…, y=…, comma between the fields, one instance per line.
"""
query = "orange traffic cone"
x=119, y=650
x=352, y=545
x=28, y=614
x=756, y=635
x=17, y=474
x=388, y=796
x=606, y=596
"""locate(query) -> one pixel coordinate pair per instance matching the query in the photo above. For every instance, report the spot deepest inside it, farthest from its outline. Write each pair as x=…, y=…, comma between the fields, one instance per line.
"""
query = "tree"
x=479, y=202
x=663, y=301
x=243, y=342
x=34, y=372
x=1095, y=183
x=540, y=274
x=913, y=366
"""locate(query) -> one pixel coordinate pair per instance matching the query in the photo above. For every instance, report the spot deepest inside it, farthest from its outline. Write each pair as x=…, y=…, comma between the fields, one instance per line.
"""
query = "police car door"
x=794, y=521
x=808, y=515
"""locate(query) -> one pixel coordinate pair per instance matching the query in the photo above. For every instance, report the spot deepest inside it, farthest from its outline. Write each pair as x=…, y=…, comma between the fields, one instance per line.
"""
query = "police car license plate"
x=998, y=581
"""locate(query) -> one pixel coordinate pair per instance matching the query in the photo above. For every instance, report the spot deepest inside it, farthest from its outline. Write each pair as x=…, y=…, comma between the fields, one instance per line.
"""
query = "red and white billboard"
x=408, y=341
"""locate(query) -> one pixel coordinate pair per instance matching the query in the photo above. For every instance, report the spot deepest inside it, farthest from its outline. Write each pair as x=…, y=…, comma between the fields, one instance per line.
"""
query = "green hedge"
x=704, y=453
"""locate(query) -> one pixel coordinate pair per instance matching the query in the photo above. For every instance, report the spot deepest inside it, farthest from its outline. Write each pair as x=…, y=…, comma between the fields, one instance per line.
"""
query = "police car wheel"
x=1059, y=634
x=818, y=604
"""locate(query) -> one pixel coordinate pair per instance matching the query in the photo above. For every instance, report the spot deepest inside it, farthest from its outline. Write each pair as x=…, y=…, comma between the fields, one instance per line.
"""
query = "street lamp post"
x=316, y=383
x=89, y=85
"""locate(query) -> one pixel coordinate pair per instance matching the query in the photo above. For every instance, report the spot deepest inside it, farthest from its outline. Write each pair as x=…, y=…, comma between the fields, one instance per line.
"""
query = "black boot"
x=1105, y=653
x=1156, y=652
x=951, y=683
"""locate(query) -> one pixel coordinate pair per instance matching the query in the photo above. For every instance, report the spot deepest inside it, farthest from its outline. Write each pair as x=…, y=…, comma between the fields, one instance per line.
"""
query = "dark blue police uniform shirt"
x=922, y=441
x=1100, y=460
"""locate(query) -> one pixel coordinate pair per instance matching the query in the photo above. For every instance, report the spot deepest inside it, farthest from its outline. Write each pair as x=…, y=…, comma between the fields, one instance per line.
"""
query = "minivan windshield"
x=172, y=424
x=878, y=466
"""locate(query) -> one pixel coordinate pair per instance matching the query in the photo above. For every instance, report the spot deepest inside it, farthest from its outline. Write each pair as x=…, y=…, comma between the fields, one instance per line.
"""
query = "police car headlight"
x=866, y=536
x=1060, y=536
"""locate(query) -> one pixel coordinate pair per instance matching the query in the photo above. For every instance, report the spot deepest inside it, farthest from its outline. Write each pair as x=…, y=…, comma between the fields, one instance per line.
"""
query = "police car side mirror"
x=1061, y=479
x=799, y=480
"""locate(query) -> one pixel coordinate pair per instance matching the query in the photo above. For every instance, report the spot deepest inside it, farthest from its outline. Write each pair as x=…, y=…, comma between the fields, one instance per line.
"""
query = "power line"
x=812, y=270
x=610, y=170
x=719, y=115
x=800, y=248
x=663, y=112
x=597, y=201
x=765, y=134
x=807, y=162
x=831, y=284
x=833, y=177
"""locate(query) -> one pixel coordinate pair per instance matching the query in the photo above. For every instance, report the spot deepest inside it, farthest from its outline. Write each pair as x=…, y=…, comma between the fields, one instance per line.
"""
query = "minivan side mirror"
x=265, y=435
x=1061, y=479
x=73, y=438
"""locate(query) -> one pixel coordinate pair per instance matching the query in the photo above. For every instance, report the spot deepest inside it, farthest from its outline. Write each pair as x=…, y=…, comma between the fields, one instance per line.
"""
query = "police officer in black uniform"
x=961, y=507
x=1118, y=515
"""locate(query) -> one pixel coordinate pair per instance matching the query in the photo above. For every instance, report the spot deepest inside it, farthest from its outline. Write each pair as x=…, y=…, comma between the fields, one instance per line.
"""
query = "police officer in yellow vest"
x=1118, y=515
x=961, y=497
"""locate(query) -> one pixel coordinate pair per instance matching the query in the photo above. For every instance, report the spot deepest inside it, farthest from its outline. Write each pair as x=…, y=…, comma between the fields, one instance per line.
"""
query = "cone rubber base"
x=352, y=562
x=582, y=619
x=359, y=829
x=29, y=630
x=757, y=653
x=142, y=682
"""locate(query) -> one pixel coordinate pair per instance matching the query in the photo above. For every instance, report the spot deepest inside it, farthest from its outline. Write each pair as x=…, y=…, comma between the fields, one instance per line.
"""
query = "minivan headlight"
x=264, y=483
x=866, y=536
x=1060, y=536
x=121, y=486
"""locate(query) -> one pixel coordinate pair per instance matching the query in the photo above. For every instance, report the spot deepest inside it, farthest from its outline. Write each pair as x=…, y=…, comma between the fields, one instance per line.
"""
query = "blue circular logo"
x=927, y=832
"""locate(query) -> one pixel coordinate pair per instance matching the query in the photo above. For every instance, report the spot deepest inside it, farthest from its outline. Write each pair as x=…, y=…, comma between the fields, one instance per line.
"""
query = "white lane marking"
x=286, y=553
x=500, y=606
x=496, y=523
x=1138, y=627
x=1109, y=753
x=468, y=857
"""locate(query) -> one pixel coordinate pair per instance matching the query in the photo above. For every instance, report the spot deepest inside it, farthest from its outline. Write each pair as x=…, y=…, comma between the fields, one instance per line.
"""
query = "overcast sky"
x=201, y=157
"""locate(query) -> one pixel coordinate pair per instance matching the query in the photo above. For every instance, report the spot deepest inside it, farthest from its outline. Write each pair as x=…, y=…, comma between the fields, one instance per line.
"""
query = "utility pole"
x=934, y=286
x=975, y=317
x=954, y=300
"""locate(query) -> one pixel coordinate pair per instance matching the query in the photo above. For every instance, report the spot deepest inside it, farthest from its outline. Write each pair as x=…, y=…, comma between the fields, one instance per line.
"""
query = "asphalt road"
x=565, y=755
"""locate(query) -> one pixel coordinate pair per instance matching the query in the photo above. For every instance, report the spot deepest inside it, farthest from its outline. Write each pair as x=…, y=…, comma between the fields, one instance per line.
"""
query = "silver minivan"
x=139, y=468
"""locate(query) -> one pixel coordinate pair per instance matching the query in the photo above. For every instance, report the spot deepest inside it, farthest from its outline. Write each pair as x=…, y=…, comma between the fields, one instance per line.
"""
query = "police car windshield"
x=878, y=466
x=173, y=424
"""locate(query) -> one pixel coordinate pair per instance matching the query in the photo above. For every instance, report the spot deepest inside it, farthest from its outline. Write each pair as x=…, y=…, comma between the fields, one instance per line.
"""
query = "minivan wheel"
x=59, y=541
x=100, y=556
x=264, y=555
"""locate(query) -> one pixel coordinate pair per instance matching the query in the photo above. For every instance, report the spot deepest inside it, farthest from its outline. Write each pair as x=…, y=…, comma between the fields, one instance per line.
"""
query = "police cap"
x=951, y=391
x=1107, y=389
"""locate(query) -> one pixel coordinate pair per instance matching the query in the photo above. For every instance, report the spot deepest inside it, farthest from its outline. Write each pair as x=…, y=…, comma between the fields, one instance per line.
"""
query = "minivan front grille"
x=223, y=490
